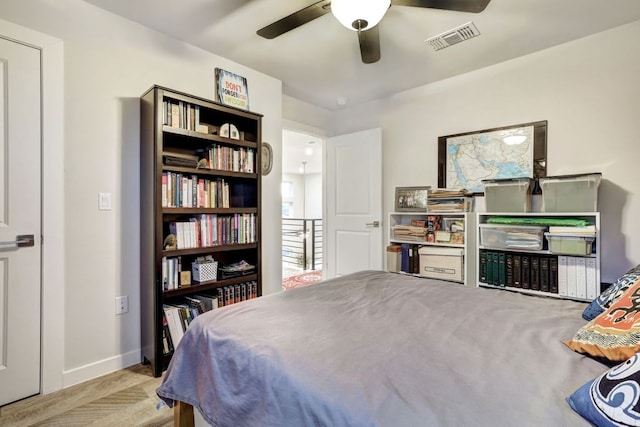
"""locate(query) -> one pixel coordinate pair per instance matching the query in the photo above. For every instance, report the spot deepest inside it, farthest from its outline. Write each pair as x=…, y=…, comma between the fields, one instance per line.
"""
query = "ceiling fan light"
x=348, y=12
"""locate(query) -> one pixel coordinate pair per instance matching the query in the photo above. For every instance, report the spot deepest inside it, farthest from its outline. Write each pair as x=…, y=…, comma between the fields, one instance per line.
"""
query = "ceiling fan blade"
x=295, y=20
x=369, y=45
x=473, y=6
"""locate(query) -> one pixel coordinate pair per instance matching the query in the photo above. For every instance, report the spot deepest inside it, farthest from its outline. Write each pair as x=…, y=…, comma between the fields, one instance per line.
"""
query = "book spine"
x=544, y=274
x=517, y=271
x=502, y=279
x=553, y=275
x=509, y=269
x=525, y=271
x=534, y=273
x=483, y=266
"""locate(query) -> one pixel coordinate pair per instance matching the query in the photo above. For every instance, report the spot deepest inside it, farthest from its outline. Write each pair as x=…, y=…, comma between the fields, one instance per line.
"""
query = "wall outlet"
x=122, y=304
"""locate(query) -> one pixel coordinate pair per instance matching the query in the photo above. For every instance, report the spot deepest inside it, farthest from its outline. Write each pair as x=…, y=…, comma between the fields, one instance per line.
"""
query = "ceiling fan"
x=363, y=16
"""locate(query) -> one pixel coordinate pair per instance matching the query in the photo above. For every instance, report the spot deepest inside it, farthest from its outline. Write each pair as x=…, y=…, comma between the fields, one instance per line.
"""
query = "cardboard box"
x=442, y=263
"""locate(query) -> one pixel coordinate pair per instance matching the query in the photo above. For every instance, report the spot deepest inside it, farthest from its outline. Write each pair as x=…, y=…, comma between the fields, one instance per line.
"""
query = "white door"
x=354, y=203
x=20, y=212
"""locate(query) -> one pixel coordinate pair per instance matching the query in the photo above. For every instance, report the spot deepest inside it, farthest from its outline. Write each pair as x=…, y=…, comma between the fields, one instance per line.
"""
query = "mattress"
x=382, y=349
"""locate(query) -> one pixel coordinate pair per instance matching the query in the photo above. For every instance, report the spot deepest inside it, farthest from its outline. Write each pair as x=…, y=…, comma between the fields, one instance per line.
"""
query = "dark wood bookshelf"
x=159, y=136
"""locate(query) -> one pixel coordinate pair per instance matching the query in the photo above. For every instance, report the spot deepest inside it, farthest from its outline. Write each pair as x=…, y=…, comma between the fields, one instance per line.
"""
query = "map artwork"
x=491, y=155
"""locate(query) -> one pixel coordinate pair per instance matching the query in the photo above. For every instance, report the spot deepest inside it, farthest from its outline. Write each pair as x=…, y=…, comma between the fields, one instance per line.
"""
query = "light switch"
x=104, y=201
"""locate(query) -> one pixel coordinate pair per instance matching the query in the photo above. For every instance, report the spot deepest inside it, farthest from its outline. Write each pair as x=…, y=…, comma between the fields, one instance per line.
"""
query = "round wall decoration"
x=266, y=157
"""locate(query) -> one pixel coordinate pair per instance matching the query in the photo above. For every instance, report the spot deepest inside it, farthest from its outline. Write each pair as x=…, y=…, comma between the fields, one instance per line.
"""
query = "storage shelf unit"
x=239, y=206
x=564, y=289
x=468, y=247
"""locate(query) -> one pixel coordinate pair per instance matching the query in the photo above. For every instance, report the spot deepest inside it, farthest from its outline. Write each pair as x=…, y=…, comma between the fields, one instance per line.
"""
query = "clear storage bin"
x=570, y=193
x=498, y=236
x=508, y=195
x=570, y=244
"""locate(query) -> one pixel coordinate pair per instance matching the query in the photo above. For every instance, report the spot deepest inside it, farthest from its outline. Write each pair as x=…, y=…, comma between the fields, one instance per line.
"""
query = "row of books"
x=208, y=230
x=570, y=276
x=171, y=268
x=177, y=318
x=234, y=159
x=182, y=115
x=410, y=260
x=183, y=191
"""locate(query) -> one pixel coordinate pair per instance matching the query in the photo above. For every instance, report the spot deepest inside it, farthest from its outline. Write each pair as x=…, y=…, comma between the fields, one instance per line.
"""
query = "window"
x=286, y=188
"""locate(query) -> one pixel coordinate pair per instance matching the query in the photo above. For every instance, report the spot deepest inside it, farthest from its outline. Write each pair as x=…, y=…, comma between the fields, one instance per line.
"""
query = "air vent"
x=454, y=36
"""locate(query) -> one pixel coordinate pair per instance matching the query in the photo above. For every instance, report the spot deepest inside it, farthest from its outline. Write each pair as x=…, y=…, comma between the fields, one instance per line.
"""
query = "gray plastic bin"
x=570, y=193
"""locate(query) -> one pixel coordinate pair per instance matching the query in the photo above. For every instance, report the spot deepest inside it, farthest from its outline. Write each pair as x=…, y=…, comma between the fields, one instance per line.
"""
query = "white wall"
x=108, y=63
x=589, y=92
x=307, y=189
x=298, y=189
x=313, y=196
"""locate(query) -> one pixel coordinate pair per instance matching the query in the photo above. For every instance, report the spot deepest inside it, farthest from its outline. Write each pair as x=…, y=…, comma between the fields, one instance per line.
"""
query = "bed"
x=382, y=349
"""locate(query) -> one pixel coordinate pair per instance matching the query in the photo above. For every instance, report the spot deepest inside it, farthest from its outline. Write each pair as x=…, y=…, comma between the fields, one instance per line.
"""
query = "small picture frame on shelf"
x=411, y=199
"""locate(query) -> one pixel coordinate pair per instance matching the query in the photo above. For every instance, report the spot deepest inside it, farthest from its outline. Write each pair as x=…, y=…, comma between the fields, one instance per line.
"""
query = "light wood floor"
x=123, y=398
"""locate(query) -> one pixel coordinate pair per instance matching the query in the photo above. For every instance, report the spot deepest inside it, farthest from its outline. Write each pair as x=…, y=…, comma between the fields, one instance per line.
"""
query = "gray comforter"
x=382, y=349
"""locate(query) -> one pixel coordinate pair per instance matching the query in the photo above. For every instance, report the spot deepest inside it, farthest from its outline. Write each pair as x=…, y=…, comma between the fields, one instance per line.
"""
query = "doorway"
x=302, y=208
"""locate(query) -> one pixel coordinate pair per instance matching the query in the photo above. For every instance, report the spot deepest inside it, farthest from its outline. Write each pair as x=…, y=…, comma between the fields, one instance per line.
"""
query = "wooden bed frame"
x=183, y=415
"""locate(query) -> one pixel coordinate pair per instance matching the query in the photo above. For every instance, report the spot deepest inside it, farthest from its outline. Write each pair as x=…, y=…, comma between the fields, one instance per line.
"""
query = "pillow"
x=612, y=398
x=611, y=294
x=615, y=333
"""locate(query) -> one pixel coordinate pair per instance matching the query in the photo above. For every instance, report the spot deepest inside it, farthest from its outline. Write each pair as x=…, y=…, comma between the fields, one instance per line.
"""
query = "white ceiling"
x=298, y=148
x=320, y=61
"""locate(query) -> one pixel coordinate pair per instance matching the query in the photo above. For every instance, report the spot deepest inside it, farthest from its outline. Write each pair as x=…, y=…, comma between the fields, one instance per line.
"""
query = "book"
x=525, y=271
x=509, y=270
x=174, y=323
x=544, y=273
x=553, y=275
x=483, y=266
x=502, y=280
x=534, y=272
x=517, y=271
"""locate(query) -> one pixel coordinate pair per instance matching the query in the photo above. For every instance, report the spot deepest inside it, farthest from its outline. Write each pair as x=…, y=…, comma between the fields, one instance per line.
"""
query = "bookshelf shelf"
x=466, y=247
x=206, y=286
x=212, y=212
x=542, y=271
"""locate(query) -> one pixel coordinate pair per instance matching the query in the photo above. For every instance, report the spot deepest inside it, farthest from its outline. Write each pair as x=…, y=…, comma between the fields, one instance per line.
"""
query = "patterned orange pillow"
x=615, y=333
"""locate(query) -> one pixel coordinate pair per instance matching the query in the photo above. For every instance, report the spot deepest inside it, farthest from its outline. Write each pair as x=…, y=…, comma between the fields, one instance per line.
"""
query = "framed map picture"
x=231, y=89
x=518, y=151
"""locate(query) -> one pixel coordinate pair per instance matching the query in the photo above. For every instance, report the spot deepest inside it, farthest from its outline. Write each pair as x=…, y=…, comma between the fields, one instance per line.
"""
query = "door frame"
x=52, y=198
x=294, y=126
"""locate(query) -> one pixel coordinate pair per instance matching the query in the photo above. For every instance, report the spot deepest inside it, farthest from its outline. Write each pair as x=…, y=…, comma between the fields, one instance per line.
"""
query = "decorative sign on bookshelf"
x=232, y=89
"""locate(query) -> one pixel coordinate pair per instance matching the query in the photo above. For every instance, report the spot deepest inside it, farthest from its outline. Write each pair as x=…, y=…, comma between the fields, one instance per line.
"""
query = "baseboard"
x=102, y=367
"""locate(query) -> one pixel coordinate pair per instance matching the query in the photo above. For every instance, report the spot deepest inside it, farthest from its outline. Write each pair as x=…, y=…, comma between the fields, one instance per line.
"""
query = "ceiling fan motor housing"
x=359, y=15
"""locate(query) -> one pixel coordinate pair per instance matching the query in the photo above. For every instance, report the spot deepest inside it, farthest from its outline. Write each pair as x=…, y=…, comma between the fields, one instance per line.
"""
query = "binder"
x=489, y=268
x=572, y=282
x=581, y=278
x=562, y=276
x=496, y=270
x=590, y=273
